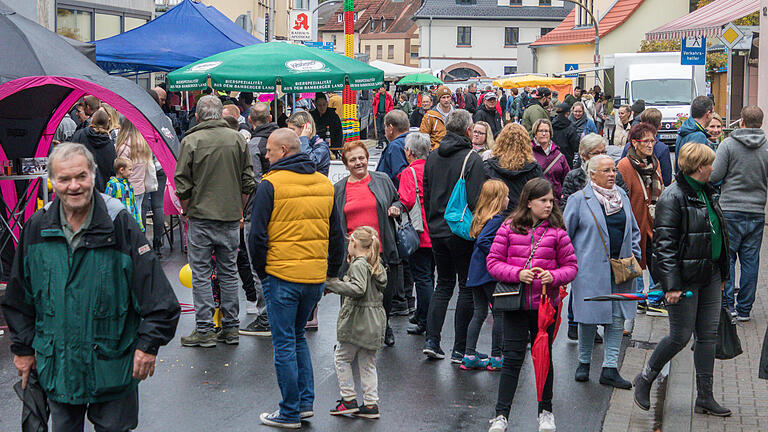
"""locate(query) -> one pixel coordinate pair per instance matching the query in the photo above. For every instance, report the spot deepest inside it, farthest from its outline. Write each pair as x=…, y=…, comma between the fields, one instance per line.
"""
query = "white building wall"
x=487, y=50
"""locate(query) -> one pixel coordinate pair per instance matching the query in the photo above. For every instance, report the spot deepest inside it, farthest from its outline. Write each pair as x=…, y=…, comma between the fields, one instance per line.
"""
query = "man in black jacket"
x=418, y=114
x=470, y=98
x=487, y=113
x=452, y=253
x=564, y=134
x=327, y=122
x=262, y=126
x=88, y=304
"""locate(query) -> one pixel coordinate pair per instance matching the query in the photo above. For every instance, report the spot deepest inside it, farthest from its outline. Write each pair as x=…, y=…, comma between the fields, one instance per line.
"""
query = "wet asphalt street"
x=225, y=388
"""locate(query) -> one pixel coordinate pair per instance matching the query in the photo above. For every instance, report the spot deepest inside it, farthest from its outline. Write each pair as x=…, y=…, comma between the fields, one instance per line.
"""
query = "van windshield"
x=662, y=91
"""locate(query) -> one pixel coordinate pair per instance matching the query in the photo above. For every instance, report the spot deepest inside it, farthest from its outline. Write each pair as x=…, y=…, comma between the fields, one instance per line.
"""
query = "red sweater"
x=360, y=208
x=407, y=191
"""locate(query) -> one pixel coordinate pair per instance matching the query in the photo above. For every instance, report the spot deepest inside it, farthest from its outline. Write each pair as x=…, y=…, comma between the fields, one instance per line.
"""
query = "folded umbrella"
x=35, y=410
x=653, y=296
x=540, y=348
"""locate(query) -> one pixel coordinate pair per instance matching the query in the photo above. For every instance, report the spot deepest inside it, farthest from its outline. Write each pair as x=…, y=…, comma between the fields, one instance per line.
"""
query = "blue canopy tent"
x=187, y=33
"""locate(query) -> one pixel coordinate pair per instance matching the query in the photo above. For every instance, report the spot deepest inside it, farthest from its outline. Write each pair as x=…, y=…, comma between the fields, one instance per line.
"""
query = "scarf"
x=647, y=169
x=609, y=198
x=578, y=124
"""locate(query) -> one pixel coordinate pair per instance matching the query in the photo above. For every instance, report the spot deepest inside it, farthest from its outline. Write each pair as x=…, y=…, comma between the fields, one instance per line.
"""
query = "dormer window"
x=582, y=17
x=466, y=2
x=341, y=17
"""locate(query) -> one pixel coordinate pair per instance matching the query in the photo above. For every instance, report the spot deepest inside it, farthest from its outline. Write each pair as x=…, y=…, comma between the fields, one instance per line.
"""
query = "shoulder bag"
x=415, y=211
x=406, y=237
x=551, y=164
x=651, y=207
x=506, y=296
x=457, y=214
x=623, y=269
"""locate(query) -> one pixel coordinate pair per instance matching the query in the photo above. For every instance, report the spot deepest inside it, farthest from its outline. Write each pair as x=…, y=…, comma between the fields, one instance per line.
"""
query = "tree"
x=665, y=45
x=752, y=19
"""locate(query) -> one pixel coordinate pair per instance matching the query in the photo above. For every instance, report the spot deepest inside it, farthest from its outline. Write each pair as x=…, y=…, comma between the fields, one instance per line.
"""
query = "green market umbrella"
x=419, y=79
x=261, y=67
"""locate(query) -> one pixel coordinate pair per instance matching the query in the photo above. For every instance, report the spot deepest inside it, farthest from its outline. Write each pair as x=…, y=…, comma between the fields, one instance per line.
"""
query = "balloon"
x=217, y=318
x=185, y=276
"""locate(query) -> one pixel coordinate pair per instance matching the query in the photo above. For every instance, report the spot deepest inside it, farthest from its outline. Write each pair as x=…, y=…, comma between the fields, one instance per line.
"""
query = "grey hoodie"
x=742, y=165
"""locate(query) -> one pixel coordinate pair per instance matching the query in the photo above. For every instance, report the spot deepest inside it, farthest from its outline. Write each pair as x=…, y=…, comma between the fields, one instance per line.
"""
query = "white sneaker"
x=498, y=424
x=546, y=422
x=251, y=308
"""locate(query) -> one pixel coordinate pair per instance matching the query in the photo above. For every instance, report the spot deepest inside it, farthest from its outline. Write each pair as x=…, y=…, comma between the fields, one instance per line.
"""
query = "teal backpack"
x=457, y=213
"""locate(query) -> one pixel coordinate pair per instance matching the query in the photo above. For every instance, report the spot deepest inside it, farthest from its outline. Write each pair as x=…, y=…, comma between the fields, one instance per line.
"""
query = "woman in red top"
x=421, y=264
x=366, y=198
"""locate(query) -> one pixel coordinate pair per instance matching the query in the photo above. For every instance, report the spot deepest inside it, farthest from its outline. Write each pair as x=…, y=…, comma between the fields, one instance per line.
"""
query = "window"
x=301, y=4
x=545, y=30
x=379, y=49
x=461, y=74
x=515, y=2
x=582, y=17
x=373, y=25
x=511, y=36
x=509, y=70
x=383, y=25
x=464, y=36
x=545, y=2
x=341, y=18
x=75, y=24
x=466, y=2
x=368, y=50
x=106, y=26
x=414, y=55
x=391, y=52
x=131, y=22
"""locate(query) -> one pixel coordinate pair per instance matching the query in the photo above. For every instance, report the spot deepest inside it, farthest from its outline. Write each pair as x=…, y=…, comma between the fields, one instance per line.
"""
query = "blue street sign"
x=570, y=67
x=328, y=46
x=693, y=51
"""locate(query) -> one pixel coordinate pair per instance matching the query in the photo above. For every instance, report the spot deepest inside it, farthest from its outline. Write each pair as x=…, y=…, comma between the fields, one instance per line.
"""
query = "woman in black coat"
x=97, y=140
x=591, y=145
x=513, y=161
x=691, y=254
x=564, y=134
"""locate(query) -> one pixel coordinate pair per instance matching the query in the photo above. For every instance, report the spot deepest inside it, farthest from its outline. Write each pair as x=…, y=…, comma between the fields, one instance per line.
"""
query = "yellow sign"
x=731, y=35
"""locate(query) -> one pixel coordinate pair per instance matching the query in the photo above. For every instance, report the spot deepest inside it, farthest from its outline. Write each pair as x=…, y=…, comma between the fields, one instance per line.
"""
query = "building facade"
x=573, y=40
x=86, y=20
x=471, y=38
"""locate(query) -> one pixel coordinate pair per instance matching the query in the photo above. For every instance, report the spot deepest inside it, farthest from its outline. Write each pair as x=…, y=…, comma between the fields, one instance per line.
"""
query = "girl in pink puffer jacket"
x=531, y=247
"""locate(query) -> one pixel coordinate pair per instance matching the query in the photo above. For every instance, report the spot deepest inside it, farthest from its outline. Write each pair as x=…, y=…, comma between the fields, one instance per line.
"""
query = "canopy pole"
x=186, y=96
x=693, y=84
x=728, y=86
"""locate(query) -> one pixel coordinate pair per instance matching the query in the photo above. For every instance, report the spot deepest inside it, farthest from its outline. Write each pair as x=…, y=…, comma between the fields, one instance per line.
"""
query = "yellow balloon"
x=185, y=276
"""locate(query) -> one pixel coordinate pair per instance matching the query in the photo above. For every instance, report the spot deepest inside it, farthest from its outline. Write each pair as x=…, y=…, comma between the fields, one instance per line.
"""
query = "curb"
x=677, y=414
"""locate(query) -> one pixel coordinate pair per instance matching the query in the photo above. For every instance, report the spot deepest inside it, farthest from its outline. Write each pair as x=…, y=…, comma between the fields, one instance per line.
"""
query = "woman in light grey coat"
x=600, y=223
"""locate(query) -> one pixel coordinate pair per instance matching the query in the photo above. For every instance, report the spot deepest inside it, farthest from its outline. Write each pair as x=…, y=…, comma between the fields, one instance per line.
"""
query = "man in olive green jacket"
x=214, y=178
x=87, y=304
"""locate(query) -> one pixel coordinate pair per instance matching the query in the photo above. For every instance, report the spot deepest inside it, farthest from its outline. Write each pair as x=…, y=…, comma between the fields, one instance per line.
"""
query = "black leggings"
x=244, y=270
x=483, y=297
x=520, y=328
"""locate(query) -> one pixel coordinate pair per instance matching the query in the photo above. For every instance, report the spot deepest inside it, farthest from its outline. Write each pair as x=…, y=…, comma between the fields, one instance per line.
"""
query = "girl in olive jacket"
x=361, y=324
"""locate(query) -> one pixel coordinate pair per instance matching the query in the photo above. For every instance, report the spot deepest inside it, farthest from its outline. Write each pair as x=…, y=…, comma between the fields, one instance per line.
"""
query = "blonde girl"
x=362, y=323
x=489, y=214
x=132, y=145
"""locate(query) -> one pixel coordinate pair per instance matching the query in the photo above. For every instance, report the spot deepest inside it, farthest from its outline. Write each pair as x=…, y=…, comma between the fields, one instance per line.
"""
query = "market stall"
x=564, y=86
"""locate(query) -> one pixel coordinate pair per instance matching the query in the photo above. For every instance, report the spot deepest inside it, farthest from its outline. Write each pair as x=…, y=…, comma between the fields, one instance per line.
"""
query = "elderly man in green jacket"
x=87, y=304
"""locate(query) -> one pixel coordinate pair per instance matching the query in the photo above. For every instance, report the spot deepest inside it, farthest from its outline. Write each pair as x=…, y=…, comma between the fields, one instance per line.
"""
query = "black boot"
x=705, y=401
x=611, y=377
x=389, y=337
x=582, y=372
x=643, y=382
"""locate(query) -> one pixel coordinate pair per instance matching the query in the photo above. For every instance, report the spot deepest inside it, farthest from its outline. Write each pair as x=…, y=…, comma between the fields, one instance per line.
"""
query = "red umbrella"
x=540, y=349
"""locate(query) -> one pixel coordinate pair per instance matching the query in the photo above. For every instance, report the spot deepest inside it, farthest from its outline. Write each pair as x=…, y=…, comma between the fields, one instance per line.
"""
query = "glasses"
x=597, y=152
x=645, y=141
x=478, y=133
x=543, y=132
x=608, y=170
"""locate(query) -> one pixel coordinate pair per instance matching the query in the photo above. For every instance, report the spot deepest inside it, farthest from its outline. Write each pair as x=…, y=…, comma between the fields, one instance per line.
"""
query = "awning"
x=395, y=71
x=707, y=21
x=582, y=71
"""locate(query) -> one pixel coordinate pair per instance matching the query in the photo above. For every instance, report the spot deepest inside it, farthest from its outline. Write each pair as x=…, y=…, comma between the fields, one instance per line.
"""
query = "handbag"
x=506, y=295
x=150, y=178
x=407, y=238
x=728, y=344
x=457, y=214
x=415, y=211
x=623, y=269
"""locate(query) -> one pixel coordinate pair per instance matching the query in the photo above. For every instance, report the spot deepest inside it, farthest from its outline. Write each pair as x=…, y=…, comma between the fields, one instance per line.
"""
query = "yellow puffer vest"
x=299, y=226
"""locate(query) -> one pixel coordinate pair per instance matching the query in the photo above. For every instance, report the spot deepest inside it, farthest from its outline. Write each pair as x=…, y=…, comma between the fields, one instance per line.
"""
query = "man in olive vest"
x=88, y=304
x=295, y=243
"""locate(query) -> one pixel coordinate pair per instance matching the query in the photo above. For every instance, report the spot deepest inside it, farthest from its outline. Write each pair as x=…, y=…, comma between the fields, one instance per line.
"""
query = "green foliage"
x=752, y=19
x=660, y=45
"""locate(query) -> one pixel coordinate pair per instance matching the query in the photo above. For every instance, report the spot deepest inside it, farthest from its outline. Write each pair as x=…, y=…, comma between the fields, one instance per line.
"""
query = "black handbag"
x=728, y=344
x=406, y=236
x=507, y=296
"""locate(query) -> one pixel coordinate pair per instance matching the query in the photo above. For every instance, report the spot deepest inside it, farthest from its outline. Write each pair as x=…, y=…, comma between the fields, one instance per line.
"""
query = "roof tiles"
x=565, y=34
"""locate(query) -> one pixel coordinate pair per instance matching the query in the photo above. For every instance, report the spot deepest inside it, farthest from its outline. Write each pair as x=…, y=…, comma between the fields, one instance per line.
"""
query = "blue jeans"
x=421, y=270
x=612, y=337
x=289, y=306
x=745, y=234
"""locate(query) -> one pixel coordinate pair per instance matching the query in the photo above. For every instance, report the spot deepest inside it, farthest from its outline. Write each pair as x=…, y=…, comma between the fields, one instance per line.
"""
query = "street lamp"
x=597, y=34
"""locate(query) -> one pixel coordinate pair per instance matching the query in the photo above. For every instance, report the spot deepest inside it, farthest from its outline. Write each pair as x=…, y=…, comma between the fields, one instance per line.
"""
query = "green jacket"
x=84, y=312
x=362, y=320
x=214, y=170
x=534, y=112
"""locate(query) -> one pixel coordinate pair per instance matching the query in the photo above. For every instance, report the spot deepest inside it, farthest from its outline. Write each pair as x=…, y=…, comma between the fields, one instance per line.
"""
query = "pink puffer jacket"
x=510, y=252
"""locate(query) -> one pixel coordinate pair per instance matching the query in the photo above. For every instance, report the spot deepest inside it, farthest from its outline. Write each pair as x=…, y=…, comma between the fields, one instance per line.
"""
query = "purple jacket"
x=510, y=251
x=557, y=173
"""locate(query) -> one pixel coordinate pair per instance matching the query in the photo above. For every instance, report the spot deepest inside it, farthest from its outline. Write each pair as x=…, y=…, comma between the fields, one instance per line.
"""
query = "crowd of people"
x=551, y=206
